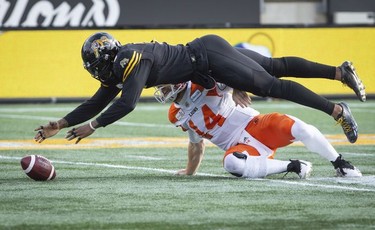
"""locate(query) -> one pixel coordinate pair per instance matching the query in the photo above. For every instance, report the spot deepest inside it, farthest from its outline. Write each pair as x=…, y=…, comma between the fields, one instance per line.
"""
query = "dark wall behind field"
x=19, y=14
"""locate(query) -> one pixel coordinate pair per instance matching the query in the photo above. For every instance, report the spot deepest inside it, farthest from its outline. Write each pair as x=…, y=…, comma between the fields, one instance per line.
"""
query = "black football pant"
x=248, y=71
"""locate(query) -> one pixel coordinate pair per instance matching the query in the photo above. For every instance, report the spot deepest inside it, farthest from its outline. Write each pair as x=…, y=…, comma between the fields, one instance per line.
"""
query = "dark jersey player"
x=130, y=68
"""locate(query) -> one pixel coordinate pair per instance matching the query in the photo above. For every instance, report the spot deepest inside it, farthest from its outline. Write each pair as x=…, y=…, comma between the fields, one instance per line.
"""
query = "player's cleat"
x=302, y=168
x=347, y=122
x=344, y=168
x=350, y=78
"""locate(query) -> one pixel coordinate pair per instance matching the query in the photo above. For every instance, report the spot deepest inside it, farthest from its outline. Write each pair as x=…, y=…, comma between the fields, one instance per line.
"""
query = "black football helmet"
x=98, y=53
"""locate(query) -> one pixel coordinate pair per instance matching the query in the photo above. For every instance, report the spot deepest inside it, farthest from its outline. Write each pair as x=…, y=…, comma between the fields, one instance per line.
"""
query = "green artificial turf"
x=135, y=188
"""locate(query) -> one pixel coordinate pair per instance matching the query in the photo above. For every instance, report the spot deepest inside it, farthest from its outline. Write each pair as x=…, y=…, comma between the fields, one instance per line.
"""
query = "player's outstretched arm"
x=195, y=156
x=49, y=130
x=82, y=131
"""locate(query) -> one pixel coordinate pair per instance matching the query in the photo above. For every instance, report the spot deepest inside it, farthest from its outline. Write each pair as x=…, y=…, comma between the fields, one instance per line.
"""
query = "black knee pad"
x=240, y=155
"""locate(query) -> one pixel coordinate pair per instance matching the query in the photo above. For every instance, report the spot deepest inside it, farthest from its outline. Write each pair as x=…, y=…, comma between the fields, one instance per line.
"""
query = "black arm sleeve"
x=131, y=91
x=93, y=106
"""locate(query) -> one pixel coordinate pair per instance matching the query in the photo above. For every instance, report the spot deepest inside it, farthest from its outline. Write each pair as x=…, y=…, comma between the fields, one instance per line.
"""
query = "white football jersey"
x=211, y=114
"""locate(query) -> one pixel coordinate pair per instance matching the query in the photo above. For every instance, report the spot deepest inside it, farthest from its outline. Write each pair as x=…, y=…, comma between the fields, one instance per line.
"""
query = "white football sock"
x=313, y=139
x=276, y=166
x=254, y=166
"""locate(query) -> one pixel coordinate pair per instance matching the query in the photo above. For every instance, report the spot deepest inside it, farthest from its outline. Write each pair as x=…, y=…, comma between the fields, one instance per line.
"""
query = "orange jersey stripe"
x=173, y=110
x=195, y=87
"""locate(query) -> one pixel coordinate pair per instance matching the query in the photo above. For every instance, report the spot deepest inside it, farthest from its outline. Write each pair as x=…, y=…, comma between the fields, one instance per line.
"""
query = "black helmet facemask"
x=98, y=53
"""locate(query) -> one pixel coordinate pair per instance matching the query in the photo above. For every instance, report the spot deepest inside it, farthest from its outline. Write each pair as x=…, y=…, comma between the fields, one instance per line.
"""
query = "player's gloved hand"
x=241, y=98
x=46, y=131
x=79, y=133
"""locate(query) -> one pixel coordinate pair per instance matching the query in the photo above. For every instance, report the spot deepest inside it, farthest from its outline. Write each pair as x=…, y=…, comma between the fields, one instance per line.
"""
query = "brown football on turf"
x=38, y=168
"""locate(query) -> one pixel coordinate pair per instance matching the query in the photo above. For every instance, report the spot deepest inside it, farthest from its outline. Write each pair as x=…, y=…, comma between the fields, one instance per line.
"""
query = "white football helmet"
x=168, y=93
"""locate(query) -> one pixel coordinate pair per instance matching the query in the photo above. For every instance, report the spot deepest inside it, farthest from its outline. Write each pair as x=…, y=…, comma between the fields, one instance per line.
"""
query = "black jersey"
x=135, y=67
x=203, y=61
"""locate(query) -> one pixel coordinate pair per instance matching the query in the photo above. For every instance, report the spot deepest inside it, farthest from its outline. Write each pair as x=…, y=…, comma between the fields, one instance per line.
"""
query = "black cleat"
x=350, y=78
x=344, y=168
x=347, y=122
x=302, y=168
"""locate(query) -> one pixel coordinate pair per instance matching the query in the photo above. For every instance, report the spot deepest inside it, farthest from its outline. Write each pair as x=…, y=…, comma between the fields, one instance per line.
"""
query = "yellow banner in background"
x=48, y=63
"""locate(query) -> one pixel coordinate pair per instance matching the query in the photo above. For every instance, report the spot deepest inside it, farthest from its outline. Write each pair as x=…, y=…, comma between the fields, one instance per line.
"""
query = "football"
x=38, y=168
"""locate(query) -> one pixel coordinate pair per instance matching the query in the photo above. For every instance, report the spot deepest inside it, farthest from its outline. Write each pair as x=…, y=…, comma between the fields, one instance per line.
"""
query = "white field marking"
x=36, y=109
x=299, y=183
x=28, y=117
x=115, y=166
x=121, y=123
x=145, y=157
x=364, y=180
x=303, y=183
x=359, y=154
x=69, y=109
x=366, y=107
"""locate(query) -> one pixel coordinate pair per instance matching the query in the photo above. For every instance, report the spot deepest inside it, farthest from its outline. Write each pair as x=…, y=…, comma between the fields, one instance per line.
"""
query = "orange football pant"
x=273, y=130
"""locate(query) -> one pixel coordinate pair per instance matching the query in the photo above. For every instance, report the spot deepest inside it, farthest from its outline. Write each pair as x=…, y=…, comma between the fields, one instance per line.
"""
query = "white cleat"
x=345, y=168
x=301, y=167
x=348, y=172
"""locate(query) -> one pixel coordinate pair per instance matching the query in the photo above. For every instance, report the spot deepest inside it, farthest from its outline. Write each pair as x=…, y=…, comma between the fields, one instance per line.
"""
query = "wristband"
x=92, y=127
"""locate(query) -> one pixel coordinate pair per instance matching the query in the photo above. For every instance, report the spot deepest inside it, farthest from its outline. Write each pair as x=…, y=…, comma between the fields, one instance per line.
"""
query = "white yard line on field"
x=299, y=182
x=11, y=113
x=111, y=166
x=28, y=117
x=121, y=123
x=303, y=183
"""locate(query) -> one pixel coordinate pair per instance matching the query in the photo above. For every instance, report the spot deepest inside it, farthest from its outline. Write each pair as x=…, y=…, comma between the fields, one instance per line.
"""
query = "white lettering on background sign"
x=44, y=14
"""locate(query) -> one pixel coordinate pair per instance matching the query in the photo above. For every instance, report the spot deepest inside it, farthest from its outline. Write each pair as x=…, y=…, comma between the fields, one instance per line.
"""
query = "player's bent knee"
x=243, y=165
x=235, y=165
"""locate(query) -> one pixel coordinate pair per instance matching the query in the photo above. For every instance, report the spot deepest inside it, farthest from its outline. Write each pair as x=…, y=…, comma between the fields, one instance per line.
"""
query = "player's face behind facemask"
x=168, y=93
